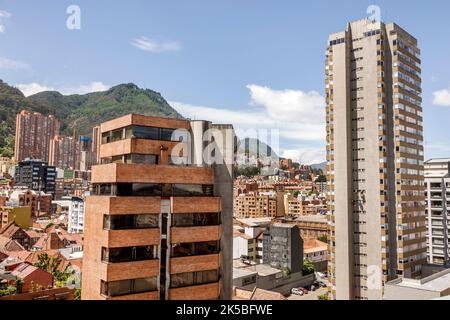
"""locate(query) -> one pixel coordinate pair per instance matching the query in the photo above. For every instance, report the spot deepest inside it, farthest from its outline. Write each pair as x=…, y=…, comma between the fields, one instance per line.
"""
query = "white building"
x=75, y=221
x=437, y=181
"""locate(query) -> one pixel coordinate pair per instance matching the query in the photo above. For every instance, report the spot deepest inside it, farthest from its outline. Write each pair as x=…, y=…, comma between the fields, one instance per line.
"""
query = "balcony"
x=144, y=173
x=195, y=234
x=201, y=292
x=136, y=146
x=154, y=295
x=132, y=238
x=129, y=270
x=198, y=204
x=194, y=263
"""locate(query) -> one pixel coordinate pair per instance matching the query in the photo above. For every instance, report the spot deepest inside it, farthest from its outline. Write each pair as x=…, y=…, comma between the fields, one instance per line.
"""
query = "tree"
x=323, y=296
x=323, y=238
x=308, y=267
x=296, y=193
x=51, y=265
x=77, y=294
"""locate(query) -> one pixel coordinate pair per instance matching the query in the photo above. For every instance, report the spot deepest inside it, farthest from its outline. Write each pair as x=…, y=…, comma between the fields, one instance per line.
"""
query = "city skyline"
x=227, y=71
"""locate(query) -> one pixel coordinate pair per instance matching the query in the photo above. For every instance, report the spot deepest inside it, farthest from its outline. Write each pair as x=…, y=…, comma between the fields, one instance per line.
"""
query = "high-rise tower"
x=375, y=159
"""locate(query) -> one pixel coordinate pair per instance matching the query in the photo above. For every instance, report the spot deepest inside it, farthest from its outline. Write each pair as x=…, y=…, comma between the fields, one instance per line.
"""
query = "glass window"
x=117, y=135
x=142, y=132
x=141, y=158
x=193, y=278
x=189, y=190
x=138, y=189
x=127, y=254
x=195, y=248
x=124, y=287
x=166, y=134
x=124, y=222
x=195, y=219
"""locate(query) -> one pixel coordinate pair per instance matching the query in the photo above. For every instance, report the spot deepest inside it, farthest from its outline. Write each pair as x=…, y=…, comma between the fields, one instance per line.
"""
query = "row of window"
x=139, y=132
x=152, y=190
x=150, y=252
x=133, y=286
x=150, y=221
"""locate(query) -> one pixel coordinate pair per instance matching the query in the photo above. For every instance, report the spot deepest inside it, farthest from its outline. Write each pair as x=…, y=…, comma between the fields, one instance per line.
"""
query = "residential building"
x=283, y=247
x=65, y=153
x=156, y=228
x=316, y=252
x=434, y=286
x=20, y=215
x=34, y=131
x=258, y=205
x=36, y=175
x=437, y=181
x=76, y=216
x=248, y=243
x=375, y=159
x=40, y=202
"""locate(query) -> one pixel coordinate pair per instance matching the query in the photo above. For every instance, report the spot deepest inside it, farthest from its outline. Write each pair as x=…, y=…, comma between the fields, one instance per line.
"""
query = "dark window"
x=141, y=158
x=195, y=248
x=124, y=287
x=117, y=135
x=138, y=189
x=132, y=221
x=193, y=278
x=126, y=254
x=103, y=189
x=141, y=132
x=190, y=190
x=106, y=137
x=195, y=219
x=166, y=134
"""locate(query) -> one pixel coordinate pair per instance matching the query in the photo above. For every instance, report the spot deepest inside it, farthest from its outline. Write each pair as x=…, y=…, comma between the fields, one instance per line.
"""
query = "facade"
x=155, y=229
x=259, y=205
x=283, y=247
x=65, y=153
x=76, y=216
x=437, y=181
x=39, y=202
x=374, y=159
x=20, y=215
x=34, y=132
x=36, y=175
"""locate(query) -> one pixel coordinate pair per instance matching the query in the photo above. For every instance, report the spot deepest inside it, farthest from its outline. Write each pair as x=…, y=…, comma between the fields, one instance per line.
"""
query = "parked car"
x=320, y=283
x=311, y=287
x=299, y=291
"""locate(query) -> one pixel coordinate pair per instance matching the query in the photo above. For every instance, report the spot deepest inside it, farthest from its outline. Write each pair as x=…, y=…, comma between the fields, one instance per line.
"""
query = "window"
x=127, y=254
x=195, y=248
x=166, y=134
x=193, y=278
x=126, y=222
x=125, y=287
x=138, y=189
x=195, y=219
x=189, y=190
x=141, y=132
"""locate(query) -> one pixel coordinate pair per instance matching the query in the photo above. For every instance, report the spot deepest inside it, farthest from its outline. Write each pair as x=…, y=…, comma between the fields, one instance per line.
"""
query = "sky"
x=256, y=64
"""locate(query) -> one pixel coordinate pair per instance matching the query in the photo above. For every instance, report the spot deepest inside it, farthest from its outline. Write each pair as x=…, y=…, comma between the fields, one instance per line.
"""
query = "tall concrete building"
x=437, y=180
x=34, y=132
x=375, y=165
x=159, y=225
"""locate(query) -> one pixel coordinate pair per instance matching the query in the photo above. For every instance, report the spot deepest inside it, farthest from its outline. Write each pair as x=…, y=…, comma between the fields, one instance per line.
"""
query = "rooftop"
x=437, y=282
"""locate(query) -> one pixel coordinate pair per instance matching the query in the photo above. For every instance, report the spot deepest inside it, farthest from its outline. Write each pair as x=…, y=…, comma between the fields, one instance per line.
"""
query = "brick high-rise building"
x=375, y=159
x=34, y=132
x=154, y=229
x=65, y=153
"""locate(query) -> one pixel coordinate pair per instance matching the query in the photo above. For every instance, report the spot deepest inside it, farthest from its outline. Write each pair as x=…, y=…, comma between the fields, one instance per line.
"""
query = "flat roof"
x=438, y=282
x=240, y=273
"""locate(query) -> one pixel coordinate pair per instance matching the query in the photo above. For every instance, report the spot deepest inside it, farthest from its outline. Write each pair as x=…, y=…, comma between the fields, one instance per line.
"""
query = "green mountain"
x=78, y=112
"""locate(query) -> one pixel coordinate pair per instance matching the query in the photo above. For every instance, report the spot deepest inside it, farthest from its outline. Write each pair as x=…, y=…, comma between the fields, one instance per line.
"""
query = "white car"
x=297, y=292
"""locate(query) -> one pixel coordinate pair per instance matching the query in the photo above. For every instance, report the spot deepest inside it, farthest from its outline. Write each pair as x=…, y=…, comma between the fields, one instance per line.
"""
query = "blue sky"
x=256, y=64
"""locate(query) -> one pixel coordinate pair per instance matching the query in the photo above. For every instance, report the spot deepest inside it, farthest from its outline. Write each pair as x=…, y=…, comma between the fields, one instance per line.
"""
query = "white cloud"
x=299, y=116
x=29, y=89
x=152, y=45
x=6, y=15
x=94, y=86
x=442, y=98
x=9, y=64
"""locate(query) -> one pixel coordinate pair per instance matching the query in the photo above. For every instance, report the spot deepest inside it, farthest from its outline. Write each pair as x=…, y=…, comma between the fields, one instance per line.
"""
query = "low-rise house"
x=33, y=278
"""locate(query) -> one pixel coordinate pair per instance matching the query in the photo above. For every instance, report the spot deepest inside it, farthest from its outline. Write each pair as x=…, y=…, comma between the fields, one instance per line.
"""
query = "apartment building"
x=374, y=159
x=159, y=222
x=34, y=132
x=36, y=175
x=65, y=153
x=437, y=181
x=259, y=205
x=75, y=216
